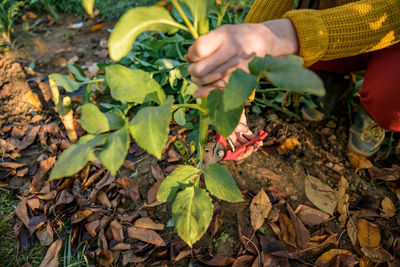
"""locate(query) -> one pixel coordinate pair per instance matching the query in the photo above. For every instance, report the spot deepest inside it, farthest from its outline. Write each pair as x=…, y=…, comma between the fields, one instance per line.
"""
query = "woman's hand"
x=216, y=55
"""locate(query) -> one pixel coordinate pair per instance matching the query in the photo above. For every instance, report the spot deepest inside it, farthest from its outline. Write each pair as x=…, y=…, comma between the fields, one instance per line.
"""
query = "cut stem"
x=203, y=133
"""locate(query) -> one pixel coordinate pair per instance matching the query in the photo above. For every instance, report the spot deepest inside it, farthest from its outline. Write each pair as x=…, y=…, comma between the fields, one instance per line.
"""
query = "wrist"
x=280, y=37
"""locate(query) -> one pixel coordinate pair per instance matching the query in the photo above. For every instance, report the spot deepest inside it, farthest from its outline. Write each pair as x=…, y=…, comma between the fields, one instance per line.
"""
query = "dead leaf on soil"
x=351, y=230
x=246, y=234
x=106, y=180
x=39, y=178
x=289, y=144
x=120, y=246
x=129, y=189
x=45, y=235
x=22, y=213
x=92, y=227
x=311, y=216
x=64, y=198
x=35, y=223
x=320, y=194
x=51, y=258
x=148, y=236
x=103, y=199
x=93, y=178
x=342, y=197
x=148, y=223
x=377, y=254
x=106, y=257
x=157, y=172
x=388, y=208
x=328, y=257
x=358, y=162
x=152, y=193
x=264, y=173
x=80, y=215
x=244, y=261
x=11, y=165
x=368, y=234
x=288, y=232
x=33, y=203
x=302, y=234
x=260, y=207
x=29, y=138
x=117, y=231
x=216, y=261
x=387, y=174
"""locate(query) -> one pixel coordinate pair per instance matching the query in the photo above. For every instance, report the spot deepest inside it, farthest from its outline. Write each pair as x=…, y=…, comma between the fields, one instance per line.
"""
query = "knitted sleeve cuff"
x=312, y=34
x=263, y=10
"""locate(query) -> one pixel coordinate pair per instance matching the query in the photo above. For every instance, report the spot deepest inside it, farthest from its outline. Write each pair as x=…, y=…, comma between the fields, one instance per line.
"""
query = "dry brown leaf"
x=148, y=223
x=64, y=198
x=302, y=234
x=260, y=207
x=11, y=165
x=388, y=208
x=96, y=27
x=121, y=246
x=244, y=261
x=93, y=178
x=45, y=235
x=22, y=213
x=33, y=203
x=106, y=257
x=23, y=172
x=106, y=180
x=275, y=228
x=387, y=174
x=264, y=173
x=343, y=200
x=35, y=223
x=216, y=261
x=38, y=180
x=246, y=234
x=80, y=215
x=352, y=231
x=157, y=172
x=29, y=138
x=129, y=189
x=311, y=216
x=326, y=258
x=103, y=199
x=92, y=227
x=289, y=144
x=288, y=231
x=152, y=193
x=398, y=193
x=51, y=258
x=318, y=238
x=320, y=194
x=173, y=155
x=358, y=162
x=377, y=254
x=117, y=231
x=148, y=236
x=368, y=234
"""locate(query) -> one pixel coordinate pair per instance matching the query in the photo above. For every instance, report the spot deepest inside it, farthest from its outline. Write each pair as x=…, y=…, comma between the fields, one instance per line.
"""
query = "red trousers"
x=380, y=93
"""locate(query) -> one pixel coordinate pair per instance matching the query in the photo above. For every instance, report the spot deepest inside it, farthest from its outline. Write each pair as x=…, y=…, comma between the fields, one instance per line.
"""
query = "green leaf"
x=221, y=184
x=200, y=10
x=225, y=107
x=180, y=116
x=65, y=81
x=94, y=121
x=115, y=150
x=74, y=158
x=89, y=6
x=288, y=73
x=150, y=128
x=128, y=85
x=136, y=21
x=77, y=72
x=180, y=177
x=192, y=212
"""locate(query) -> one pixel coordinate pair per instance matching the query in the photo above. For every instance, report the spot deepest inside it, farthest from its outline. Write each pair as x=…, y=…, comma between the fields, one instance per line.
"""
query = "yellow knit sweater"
x=339, y=28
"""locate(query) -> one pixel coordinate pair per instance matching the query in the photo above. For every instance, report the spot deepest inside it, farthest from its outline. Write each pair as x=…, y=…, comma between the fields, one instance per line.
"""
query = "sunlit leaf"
x=76, y=156
x=94, y=121
x=66, y=82
x=150, y=128
x=368, y=234
x=170, y=185
x=260, y=208
x=328, y=257
x=288, y=73
x=180, y=116
x=115, y=150
x=320, y=194
x=128, y=85
x=221, y=184
x=226, y=106
x=136, y=21
x=388, y=207
x=192, y=213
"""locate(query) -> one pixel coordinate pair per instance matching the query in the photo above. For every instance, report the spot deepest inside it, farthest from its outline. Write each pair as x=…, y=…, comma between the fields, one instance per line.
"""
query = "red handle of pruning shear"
x=230, y=155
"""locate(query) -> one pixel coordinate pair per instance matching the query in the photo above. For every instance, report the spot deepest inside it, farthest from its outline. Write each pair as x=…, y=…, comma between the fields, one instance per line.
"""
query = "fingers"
x=205, y=46
x=248, y=152
x=204, y=91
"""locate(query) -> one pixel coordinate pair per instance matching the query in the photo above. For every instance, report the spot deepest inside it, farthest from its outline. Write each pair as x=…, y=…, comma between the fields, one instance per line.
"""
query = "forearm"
x=348, y=30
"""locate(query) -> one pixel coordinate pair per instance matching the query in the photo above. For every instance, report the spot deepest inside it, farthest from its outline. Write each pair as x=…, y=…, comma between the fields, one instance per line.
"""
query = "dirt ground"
x=26, y=100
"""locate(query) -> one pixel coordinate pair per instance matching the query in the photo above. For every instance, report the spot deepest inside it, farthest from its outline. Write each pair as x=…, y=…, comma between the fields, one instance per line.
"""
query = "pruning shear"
x=223, y=149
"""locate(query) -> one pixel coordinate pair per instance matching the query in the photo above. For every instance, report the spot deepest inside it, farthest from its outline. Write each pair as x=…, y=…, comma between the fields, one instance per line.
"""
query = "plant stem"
x=203, y=132
x=194, y=106
x=271, y=90
x=93, y=81
x=193, y=32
